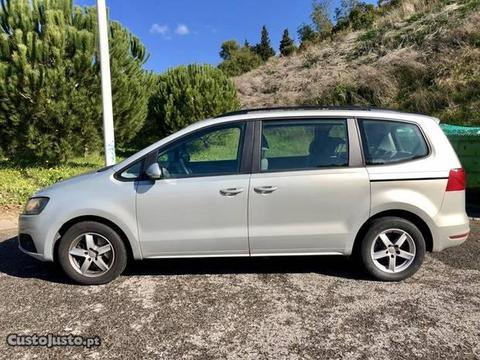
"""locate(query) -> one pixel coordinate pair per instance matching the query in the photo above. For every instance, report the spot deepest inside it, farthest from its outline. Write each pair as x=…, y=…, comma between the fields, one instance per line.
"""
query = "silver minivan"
x=381, y=185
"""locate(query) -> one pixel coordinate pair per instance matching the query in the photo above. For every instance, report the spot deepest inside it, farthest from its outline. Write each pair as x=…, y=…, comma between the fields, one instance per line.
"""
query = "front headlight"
x=35, y=205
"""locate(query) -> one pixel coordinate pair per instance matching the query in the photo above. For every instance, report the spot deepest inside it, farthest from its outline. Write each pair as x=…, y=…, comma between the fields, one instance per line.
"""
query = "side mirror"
x=154, y=172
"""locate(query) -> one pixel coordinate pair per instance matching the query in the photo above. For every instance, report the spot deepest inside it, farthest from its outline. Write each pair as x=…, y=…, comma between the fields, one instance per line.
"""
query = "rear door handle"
x=265, y=189
x=231, y=191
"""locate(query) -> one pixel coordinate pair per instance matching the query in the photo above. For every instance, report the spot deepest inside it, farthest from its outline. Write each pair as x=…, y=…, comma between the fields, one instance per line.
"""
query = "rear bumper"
x=450, y=231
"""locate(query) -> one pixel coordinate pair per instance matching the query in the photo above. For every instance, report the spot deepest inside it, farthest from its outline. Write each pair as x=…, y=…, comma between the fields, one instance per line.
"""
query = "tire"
x=105, y=261
x=392, y=262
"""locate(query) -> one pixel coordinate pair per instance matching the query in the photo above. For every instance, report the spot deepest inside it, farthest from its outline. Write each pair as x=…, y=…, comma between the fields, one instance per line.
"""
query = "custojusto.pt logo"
x=51, y=340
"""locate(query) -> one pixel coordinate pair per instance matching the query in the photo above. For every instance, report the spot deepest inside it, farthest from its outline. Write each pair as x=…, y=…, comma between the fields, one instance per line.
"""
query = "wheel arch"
x=98, y=219
x=404, y=214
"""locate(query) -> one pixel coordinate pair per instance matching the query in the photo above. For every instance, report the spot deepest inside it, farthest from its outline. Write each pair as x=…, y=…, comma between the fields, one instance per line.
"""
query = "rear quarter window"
x=386, y=142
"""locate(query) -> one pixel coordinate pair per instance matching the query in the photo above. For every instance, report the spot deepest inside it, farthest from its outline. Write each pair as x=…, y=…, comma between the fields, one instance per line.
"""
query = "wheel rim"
x=393, y=251
x=91, y=254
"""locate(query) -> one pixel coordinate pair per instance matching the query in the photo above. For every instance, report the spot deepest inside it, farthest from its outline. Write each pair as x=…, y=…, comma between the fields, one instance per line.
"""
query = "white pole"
x=108, y=132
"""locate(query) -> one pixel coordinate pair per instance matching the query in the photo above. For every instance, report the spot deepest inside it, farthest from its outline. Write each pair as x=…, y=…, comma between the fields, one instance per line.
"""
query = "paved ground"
x=313, y=308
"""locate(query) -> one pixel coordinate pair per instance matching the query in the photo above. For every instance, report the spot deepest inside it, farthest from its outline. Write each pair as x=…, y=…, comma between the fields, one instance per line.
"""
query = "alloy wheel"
x=393, y=250
x=91, y=254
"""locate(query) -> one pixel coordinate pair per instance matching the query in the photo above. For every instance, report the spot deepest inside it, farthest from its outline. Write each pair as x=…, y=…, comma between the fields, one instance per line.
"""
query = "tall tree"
x=321, y=17
x=287, y=46
x=50, y=98
x=228, y=48
x=264, y=48
x=306, y=35
x=345, y=8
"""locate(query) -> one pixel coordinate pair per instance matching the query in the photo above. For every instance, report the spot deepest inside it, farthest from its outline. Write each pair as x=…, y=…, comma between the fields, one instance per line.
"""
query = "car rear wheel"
x=393, y=249
x=92, y=253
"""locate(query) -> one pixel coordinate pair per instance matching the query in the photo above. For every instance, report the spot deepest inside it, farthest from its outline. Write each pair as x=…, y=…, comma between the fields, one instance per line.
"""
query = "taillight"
x=456, y=180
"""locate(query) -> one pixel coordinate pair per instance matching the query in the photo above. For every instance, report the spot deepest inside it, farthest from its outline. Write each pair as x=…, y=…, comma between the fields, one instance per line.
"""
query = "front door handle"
x=231, y=191
x=265, y=189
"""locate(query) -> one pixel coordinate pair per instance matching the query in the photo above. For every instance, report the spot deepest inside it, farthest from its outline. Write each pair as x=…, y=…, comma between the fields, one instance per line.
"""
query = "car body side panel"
x=190, y=217
x=423, y=197
x=97, y=194
x=311, y=212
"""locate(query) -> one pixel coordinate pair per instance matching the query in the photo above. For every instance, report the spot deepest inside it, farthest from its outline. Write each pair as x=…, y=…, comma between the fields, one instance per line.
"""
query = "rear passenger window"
x=302, y=145
x=386, y=142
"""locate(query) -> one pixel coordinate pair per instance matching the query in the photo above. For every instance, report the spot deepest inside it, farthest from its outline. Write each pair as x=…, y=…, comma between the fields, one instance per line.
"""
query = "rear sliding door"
x=309, y=192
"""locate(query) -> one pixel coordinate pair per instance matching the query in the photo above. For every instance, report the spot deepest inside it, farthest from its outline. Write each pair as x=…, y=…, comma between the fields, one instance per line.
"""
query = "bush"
x=360, y=16
x=240, y=62
x=187, y=94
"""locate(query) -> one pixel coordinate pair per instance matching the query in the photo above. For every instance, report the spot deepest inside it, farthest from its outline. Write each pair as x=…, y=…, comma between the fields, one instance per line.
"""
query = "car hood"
x=80, y=180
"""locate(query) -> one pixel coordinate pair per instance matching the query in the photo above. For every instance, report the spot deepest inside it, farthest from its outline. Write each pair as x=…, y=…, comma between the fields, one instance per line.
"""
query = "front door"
x=199, y=207
x=306, y=198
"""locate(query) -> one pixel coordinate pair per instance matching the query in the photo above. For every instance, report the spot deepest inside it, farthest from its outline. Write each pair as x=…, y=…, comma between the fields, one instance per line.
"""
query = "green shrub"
x=360, y=16
x=187, y=94
x=469, y=6
x=369, y=41
x=240, y=62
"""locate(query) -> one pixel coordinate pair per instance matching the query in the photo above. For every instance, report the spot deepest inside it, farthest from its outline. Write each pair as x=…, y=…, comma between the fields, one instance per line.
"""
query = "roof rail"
x=304, y=107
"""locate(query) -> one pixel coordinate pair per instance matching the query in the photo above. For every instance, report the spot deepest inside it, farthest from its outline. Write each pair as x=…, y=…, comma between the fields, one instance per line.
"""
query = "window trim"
x=118, y=174
x=361, y=134
x=256, y=158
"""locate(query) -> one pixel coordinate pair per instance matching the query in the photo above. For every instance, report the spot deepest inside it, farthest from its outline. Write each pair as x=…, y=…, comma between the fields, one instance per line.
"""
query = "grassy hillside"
x=422, y=55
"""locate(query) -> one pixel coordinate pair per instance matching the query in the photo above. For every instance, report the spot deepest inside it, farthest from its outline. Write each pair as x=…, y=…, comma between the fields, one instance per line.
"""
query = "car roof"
x=324, y=112
x=310, y=107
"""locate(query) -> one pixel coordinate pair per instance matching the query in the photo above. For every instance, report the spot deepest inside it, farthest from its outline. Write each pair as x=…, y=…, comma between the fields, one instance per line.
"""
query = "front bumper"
x=32, y=226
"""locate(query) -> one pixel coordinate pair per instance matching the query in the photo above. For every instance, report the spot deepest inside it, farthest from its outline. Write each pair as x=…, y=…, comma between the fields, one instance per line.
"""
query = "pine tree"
x=287, y=46
x=50, y=97
x=187, y=94
x=264, y=49
x=306, y=35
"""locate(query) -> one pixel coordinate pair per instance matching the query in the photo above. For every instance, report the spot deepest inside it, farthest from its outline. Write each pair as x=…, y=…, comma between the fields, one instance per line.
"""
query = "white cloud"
x=159, y=29
x=182, y=29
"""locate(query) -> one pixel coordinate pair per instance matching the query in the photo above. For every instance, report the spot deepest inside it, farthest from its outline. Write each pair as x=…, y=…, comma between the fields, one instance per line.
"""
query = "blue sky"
x=179, y=32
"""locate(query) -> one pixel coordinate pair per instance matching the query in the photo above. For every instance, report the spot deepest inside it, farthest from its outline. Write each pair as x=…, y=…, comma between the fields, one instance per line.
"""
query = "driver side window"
x=206, y=153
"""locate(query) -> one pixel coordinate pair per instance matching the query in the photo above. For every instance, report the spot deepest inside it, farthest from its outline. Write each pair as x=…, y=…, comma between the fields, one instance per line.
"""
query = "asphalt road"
x=309, y=308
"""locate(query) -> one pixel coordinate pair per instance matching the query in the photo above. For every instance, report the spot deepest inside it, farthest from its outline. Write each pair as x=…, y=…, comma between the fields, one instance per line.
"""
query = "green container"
x=466, y=142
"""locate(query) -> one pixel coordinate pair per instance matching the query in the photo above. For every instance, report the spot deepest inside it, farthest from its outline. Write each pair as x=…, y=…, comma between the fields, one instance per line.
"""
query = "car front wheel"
x=92, y=253
x=393, y=249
